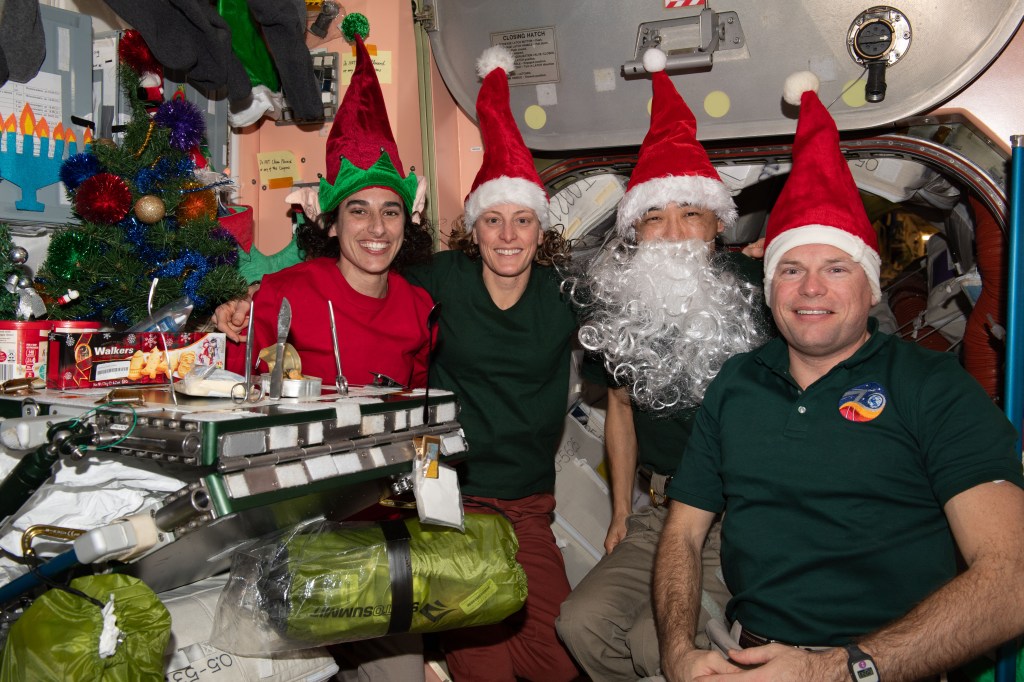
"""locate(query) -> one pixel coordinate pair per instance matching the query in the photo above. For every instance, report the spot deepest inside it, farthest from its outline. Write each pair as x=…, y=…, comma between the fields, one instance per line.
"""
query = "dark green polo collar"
x=775, y=354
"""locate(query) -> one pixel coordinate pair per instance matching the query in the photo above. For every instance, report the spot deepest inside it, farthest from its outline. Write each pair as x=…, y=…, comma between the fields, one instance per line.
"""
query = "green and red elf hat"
x=361, y=149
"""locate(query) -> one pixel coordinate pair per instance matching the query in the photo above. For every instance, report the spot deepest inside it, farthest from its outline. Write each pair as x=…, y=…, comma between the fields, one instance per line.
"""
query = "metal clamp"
x=689, y=43
x=399, y=485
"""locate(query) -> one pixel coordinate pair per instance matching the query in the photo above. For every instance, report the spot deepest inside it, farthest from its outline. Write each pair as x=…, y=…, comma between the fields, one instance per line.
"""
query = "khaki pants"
x=608, y=621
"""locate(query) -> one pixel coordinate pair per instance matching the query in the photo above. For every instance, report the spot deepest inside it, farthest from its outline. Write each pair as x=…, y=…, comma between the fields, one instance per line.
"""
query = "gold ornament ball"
x=149, y=209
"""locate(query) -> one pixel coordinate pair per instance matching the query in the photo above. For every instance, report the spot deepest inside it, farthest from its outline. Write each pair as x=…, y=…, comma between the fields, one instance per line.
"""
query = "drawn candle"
x=9, y=126
x=28, y=127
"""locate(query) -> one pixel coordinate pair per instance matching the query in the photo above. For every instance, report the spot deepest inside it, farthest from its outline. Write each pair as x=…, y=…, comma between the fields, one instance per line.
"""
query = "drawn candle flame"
x=86, y=138
x=28, y=120
x=58, y=132
x=9, y=125
x=69, y=136
x=42, y=128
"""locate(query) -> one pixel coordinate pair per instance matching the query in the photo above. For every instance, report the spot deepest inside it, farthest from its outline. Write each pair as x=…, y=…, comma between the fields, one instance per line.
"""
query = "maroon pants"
x=525, y=644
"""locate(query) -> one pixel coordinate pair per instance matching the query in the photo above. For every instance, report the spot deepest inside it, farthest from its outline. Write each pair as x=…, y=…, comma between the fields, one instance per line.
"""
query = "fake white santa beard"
x=665, y=318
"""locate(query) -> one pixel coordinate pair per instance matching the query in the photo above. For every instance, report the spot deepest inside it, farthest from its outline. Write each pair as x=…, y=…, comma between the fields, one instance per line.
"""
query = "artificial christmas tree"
x=8, y=267
x=145, y=215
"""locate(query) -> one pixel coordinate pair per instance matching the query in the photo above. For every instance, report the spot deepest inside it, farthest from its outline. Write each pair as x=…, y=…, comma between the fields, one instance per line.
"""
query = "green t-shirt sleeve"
x=966, y=439
x=433, y=274
x=420, y=275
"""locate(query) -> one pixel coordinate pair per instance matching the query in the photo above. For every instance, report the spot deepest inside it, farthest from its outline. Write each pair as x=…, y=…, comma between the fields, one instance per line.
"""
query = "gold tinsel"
x=145, y=143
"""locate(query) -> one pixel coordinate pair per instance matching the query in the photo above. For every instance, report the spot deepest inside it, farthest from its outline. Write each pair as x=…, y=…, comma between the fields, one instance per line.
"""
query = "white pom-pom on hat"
x=654, y=60
x=495, y=57
x=797, y=84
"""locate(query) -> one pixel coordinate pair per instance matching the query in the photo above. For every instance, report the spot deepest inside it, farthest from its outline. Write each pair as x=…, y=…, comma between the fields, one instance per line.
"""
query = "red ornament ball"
x=103, y=198
x=136, y=54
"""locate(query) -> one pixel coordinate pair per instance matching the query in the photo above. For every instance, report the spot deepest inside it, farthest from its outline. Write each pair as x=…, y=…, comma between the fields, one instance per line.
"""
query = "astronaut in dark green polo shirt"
x=663, y=310
x=862, y=464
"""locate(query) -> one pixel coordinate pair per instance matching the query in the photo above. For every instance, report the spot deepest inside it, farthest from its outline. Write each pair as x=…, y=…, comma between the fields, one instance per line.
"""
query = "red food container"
x=23, y=348
x=101, y=359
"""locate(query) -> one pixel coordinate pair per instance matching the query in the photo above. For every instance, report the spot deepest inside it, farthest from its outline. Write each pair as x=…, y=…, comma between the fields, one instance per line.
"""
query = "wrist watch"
x=862, y=666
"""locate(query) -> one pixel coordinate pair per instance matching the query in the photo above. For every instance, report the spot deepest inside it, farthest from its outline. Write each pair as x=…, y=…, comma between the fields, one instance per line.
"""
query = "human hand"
x=308, y=199
x=754, y=249
x=696, y=664
x=781, y=663
x=616, y=531
x=232, y=318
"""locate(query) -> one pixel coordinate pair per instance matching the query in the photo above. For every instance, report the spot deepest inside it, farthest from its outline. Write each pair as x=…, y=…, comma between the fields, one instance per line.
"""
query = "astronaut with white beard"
x=664, y=310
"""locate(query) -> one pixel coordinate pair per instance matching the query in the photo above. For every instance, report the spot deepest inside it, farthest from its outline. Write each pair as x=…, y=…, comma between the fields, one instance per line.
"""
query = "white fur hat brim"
x=860, y=252
x=692, y=190
x=506, y=190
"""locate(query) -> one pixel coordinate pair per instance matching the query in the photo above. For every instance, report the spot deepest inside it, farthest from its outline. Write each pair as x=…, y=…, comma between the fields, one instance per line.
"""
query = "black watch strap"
x=862, y=667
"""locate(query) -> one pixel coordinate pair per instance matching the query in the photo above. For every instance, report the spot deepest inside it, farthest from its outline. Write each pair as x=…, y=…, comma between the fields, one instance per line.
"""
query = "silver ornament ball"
x=18, y=255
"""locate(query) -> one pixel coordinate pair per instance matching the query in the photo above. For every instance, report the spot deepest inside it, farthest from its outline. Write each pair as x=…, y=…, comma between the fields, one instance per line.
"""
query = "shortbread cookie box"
x=98, y=359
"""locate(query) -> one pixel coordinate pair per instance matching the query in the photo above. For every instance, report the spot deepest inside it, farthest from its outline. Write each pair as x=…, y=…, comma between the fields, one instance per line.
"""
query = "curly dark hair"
x=417, y=244
x=553, y=250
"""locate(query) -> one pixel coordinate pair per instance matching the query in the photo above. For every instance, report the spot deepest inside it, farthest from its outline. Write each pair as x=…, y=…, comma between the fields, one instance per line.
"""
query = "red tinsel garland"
x=103, y=198
x=134, y=52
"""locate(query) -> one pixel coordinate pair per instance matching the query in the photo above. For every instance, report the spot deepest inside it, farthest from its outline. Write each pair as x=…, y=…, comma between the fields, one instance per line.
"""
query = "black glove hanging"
x=22, y=43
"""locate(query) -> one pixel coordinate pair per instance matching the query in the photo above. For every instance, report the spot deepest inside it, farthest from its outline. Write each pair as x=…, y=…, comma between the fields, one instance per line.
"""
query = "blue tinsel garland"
x=136, y=234
x=197, y=267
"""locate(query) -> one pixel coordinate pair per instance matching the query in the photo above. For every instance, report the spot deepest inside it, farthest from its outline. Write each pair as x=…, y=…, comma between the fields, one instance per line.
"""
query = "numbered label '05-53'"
x=202, y=670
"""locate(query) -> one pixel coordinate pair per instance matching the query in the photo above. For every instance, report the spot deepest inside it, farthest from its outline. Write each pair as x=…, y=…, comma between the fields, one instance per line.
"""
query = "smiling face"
x=508, y=236
x=820, y=302
x=370, y=229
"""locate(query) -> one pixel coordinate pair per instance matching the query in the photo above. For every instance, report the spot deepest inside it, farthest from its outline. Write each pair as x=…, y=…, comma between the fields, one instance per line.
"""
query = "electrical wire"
x=97, y=411
x=852, y=83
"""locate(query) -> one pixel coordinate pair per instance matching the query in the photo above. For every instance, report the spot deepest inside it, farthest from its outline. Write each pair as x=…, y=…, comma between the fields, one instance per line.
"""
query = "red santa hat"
x=507, y=175
x=819, y=203
x=673, y=166
x=361, y=149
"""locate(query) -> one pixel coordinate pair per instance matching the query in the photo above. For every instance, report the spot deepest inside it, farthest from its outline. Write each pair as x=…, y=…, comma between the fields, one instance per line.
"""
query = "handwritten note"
x=277, y=169
x=381, y=63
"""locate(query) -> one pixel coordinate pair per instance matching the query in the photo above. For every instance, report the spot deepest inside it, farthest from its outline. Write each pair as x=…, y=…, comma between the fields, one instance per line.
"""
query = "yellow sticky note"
x=381, y=64
x=277, y=169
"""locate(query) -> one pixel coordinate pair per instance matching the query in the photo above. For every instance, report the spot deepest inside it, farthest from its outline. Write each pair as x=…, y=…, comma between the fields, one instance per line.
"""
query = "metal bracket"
x=689, y=42
x=424, y=15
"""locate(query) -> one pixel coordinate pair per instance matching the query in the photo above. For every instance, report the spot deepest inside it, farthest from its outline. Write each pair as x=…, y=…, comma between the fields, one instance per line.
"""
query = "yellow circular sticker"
x=717, y=104
x=535, y=116
x=853, y=93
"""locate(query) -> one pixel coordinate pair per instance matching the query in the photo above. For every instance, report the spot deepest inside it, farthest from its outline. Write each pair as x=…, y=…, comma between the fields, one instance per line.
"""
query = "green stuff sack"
x=333, y=582
x=57, y=638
